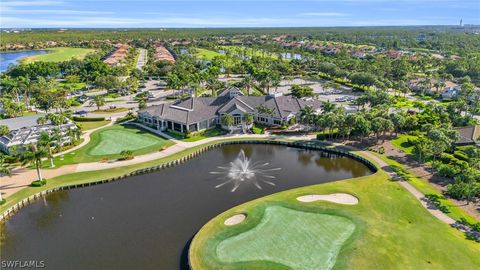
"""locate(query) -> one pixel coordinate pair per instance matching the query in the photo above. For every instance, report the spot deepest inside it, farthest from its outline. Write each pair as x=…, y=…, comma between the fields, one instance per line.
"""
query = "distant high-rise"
x=461, y=22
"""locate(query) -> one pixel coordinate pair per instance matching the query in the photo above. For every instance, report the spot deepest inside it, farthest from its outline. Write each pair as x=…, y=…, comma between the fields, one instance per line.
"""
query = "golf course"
x=59, y=54
x=280, y=232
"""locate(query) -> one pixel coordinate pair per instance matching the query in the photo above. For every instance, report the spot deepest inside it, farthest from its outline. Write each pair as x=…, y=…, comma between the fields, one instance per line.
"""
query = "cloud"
x=96, y=21
x=53, y=11
x=325, y=14
x=29, y=3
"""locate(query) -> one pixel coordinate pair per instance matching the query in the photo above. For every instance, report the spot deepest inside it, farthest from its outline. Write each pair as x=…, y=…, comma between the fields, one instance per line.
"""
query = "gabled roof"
x=193, y=110
x=21, y=122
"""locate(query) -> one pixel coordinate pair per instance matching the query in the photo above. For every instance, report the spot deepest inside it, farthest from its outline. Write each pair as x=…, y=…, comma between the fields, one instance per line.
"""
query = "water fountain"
x=242, y=170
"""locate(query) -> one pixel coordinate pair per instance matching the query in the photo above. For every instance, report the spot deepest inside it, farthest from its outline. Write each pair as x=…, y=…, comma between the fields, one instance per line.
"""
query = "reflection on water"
x=146, y=221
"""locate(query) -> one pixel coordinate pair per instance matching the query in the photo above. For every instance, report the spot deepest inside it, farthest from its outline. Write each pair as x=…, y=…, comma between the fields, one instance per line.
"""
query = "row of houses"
x=447, y=89
x=162, y=54
x=199, y=113
x=25, y=130
x=115, y=58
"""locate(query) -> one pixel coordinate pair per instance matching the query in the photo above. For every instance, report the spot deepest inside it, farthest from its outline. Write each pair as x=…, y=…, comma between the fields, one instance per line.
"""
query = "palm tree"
x=307, y=115
x=99, y=101
x=328, y=106
x=49, y=141
x=33, y=156
x=248, y=82
x=228, y=120
x=4, y=170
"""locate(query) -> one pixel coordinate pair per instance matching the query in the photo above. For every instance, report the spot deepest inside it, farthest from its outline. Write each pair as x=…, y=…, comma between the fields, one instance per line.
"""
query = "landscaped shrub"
x=88, y=119
x=188, y=134
x=38, y=183
x=256, y=129
x=460, y=155
x=126, y=155
x=447, y=170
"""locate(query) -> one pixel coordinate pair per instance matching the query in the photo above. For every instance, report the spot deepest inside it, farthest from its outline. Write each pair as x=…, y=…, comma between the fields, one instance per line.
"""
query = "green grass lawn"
x=402, y=143
x=393, y=231
x=109, y=142
x=59, y=54
x=92, y=124
x=206, y=54
x=73, y=86
x=114, y=110
x=211, y=132
x=423, y=186
x=314, y=239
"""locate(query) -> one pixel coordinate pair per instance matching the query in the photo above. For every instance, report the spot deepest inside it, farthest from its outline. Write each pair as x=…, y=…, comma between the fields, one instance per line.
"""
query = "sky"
x=234, y=13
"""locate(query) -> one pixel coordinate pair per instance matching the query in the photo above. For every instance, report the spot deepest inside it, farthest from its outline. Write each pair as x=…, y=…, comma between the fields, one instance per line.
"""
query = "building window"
x=277, y=122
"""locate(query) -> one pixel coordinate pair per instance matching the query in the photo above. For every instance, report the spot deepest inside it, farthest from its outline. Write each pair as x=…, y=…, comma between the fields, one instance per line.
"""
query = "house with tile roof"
x=199, y=113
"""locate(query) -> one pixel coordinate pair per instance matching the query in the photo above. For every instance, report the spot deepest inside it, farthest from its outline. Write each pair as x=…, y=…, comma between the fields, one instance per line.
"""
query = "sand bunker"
x=341, y=198
x=233, y=220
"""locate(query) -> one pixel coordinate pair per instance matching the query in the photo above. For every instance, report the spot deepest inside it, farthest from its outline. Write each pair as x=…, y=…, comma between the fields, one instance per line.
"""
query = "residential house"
x=25, y=130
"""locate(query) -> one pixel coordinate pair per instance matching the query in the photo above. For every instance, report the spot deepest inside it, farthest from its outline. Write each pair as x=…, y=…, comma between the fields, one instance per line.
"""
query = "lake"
x=147, y=221
x=13, y=58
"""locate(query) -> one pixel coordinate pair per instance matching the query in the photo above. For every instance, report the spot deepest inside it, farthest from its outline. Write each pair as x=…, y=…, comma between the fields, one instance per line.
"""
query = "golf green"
x=114, y=141
x=297, y=239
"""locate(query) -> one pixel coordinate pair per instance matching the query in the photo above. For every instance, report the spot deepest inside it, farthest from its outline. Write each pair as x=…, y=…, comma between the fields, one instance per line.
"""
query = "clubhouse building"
x=199, y=113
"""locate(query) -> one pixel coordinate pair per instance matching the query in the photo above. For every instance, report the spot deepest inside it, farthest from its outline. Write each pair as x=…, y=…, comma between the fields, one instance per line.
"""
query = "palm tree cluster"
x=339, y=124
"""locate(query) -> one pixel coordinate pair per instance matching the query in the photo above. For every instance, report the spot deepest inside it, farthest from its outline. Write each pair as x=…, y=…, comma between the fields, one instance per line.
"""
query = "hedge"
x=88, y=119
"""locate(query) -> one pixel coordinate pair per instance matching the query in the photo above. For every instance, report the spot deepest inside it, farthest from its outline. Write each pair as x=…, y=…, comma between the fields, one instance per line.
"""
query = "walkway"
x=417, y=194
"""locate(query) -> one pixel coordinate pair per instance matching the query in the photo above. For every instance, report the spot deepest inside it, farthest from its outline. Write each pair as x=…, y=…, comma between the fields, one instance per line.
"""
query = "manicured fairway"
x=59, y=55
x=297, y=239
x=206, y=54
x=114, y=141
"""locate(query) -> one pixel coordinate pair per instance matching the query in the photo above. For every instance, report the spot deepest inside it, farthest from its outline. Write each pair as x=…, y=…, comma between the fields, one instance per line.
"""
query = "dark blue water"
x=13, y=58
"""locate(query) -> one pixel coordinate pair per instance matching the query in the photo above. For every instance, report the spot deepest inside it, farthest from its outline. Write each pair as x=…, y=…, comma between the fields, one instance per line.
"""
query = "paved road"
x=142, y=59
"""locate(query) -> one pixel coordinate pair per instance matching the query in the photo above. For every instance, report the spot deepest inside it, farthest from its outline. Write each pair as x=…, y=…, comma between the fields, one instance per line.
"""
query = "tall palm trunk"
x=39, y=172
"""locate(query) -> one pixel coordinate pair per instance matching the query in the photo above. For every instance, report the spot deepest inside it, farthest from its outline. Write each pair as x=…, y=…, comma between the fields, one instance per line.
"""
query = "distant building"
x=162, y=54
x=25, y=130
x=469, y=135
x=115, y=58
x=199, y=113
x=451, y=90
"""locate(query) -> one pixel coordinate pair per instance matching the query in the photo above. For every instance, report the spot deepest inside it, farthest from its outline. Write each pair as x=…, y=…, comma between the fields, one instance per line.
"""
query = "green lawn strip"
x=393, y=230
x=122, y=139
x=114, y=110
x=92, y=124
x=59, y=54
x=426, y=188
x=401, y=142
x=208, y=133
x=92, y=176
